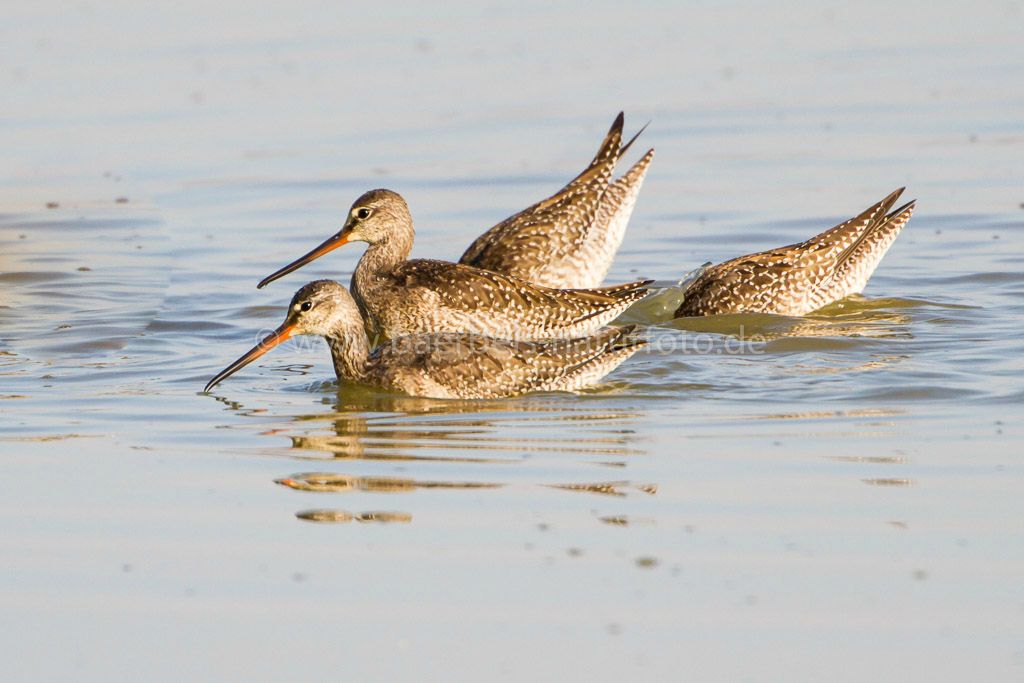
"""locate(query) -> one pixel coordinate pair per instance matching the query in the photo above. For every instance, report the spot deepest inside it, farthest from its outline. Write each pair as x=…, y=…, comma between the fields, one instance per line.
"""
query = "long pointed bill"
x=270, y=341
x=330, y=244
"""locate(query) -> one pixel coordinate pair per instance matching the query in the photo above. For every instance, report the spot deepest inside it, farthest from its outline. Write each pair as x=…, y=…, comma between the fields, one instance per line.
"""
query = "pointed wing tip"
x=907, y=208
x=617, y=125
x=885, y=204
x=625, y=341
x=625, y=147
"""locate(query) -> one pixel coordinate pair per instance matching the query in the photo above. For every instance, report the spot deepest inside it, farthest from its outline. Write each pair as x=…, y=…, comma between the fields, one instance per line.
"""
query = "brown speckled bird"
x=445, y=365
x=568, y=240
x=400, y=297
x=800, y=278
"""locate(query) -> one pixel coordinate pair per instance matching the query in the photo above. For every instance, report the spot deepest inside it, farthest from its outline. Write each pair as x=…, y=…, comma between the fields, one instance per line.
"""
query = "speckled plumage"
x=800, y=278
x=443, y=365
x=399, y=297
x=569, y=240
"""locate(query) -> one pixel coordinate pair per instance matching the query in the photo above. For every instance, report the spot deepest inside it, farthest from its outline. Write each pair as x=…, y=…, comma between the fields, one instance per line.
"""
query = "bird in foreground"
x=800, y=278
x=443, y=365
x=569, y=240
x=399, y=297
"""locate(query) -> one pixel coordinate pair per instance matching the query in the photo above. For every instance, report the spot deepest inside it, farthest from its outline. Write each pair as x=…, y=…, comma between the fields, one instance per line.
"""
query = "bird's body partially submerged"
x=800, y=278
x=399, y=297
x=442, y=365
x=569, y=240
x=460, y=365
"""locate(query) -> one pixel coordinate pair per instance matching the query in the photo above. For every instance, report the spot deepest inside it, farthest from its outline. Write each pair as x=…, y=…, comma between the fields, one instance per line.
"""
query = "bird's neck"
x=350, y=352
x=387, y=254
x=372, y=273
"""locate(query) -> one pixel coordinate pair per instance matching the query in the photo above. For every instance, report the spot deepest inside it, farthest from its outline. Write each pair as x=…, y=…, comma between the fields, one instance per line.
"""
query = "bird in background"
x=800, y=278
x=570, y=239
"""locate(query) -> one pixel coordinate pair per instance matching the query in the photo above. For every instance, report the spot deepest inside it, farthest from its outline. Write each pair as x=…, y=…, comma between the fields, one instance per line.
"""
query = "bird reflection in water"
x=371, y=426
x=328, y=482
x=335, y=516
x=855, y=316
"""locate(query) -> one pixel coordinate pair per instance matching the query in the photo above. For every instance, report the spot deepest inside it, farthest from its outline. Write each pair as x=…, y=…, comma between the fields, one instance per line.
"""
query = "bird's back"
x=424, y=296
x=800, y=278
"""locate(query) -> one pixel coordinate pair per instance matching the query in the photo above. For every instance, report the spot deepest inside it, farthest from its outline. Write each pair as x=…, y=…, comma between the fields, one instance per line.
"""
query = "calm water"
x=836, y=498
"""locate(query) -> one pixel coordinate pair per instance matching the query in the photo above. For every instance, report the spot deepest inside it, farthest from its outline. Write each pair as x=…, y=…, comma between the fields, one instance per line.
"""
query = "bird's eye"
x=306, y=305
x=363, y=213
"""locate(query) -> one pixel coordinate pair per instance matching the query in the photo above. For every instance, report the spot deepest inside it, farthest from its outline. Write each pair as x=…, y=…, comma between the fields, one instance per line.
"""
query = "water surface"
x=751, y=498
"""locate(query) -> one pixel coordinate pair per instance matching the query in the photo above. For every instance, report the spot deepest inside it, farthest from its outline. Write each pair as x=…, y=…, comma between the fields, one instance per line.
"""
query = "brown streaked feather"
x=847, y=231
x=888, y=222
x=625, y=189
x=799, y=278
x=550, y=225
x=618, y=291
x=569, y=239
x=856, y=263
x=399, y=297
x=470, y=366
x=502, y=305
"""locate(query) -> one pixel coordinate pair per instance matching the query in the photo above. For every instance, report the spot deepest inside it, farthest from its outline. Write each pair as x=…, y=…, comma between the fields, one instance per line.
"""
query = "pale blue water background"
x=841, y=502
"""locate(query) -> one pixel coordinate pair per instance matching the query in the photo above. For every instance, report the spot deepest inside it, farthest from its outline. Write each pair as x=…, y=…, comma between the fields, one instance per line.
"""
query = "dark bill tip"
x=330, y=244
